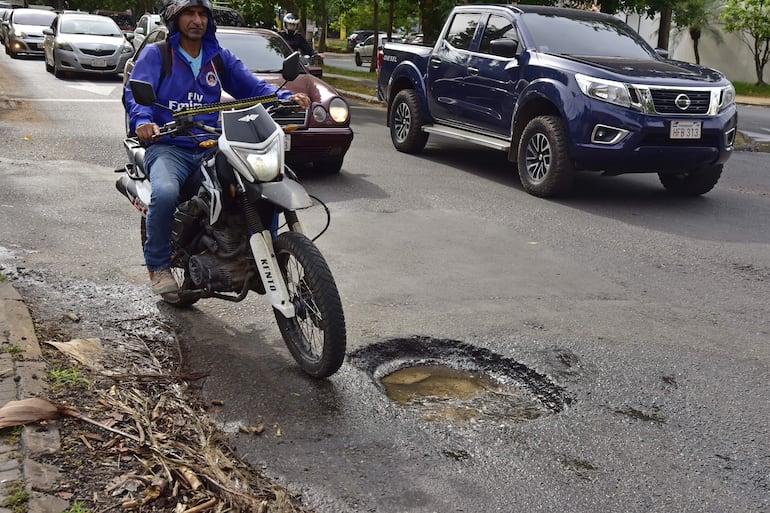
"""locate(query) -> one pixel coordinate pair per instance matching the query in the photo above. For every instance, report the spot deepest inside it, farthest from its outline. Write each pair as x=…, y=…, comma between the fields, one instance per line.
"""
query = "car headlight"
x=263, y=166
x=319, y=114
x=728, y=97
x=18, y=33
x=63, y=45
x=338, y=110
x=605, y=90
x=126, y=48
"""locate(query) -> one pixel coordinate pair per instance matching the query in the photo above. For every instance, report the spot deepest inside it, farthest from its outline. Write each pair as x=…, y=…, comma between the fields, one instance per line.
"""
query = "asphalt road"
x=645, y=318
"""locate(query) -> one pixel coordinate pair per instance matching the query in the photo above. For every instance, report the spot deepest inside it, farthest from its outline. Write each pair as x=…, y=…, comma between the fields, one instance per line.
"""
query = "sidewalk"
x=22, y=375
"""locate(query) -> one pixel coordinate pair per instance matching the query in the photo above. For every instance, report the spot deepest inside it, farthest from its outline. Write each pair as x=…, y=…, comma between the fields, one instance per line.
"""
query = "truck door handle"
x=434, y=62
x=473, y=71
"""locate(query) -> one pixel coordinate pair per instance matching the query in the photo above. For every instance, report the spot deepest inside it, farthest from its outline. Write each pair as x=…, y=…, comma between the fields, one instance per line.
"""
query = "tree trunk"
x=376, y=49
x=322, y=28
x=695, y=34
x=664, y=29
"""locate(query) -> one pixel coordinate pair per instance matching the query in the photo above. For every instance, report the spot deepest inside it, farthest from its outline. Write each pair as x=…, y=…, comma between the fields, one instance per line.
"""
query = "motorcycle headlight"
x=264, y=167
x=728, y=97
x=338, y=110
x=605, y=90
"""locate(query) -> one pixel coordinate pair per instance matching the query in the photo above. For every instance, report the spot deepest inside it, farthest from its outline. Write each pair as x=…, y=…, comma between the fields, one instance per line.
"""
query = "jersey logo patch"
x=211, y=78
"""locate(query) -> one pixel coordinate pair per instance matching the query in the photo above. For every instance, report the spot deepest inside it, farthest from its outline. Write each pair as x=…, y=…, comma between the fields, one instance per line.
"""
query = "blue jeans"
x=169, y=167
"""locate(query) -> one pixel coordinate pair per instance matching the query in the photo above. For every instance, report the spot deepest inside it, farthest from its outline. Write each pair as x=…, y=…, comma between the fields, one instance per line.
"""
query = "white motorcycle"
x=239, y=232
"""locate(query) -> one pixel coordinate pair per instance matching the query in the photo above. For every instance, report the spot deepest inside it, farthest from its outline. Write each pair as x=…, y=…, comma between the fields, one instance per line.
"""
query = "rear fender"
x=406, y=75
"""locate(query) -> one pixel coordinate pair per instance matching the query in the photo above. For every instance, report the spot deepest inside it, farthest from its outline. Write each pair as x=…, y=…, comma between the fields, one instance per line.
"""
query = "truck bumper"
x=648, y=146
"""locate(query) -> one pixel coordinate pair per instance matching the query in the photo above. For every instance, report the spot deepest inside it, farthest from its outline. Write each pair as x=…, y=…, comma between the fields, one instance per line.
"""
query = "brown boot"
x=163, y=282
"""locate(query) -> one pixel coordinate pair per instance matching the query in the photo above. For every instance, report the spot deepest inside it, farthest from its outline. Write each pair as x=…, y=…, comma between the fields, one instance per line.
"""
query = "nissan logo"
x=683, y=101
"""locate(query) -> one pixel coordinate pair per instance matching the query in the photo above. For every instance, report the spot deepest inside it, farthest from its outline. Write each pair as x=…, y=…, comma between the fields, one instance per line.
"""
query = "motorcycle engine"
x=222, y=268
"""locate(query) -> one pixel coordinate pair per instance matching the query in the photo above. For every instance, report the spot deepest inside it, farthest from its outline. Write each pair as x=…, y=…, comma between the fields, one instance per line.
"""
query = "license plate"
x=99, y=63
x=685, y=130
x=286, y=142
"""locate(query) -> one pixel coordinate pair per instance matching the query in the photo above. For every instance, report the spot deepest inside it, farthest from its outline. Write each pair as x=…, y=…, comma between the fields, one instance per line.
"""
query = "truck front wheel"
x=692, y=184
x=406, y=123
x=545, y=167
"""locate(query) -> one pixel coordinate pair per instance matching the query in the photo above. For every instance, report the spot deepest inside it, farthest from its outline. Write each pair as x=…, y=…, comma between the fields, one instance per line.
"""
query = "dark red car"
x=323, y=136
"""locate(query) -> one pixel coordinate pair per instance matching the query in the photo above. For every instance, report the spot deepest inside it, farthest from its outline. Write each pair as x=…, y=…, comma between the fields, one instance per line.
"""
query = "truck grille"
x=681, y=101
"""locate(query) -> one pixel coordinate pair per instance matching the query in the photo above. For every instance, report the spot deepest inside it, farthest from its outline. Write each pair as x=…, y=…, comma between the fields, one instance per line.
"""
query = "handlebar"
x=183, y=119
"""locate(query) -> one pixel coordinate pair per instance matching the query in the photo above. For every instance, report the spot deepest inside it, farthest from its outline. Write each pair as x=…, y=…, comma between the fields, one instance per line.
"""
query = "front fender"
x=287, y=194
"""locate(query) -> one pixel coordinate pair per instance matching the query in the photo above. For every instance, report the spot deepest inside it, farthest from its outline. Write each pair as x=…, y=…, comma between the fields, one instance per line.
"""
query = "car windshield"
x=585, y=36
x=261, y=54
x=90, y=26
x=42, y=18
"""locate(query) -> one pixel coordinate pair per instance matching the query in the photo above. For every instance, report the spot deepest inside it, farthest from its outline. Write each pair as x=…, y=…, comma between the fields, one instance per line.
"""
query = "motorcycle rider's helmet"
x=290, y=22
x=172, y=8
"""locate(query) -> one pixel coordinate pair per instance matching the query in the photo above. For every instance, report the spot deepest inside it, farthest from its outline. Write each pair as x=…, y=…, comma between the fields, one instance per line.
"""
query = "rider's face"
x=192, y=22
x=291, y=26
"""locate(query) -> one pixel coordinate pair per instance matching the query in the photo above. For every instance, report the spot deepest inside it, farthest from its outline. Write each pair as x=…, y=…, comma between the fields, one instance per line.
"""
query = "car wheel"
x=358, y=59
x=406, y=123
x=56, y=71
x=544, y=163
x=330, y=166
x=694, y=183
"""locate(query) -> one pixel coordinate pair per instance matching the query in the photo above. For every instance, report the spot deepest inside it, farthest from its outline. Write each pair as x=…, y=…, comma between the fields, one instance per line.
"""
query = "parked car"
x=146, y=24
x=356, y=37
x=124, y=19
x=85, y=43
x=5, y=12
x=363, y=50
x=24, y=31
x=324, y=135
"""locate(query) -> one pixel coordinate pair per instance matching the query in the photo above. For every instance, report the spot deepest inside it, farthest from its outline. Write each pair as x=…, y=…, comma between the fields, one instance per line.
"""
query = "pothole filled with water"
x=452, y=381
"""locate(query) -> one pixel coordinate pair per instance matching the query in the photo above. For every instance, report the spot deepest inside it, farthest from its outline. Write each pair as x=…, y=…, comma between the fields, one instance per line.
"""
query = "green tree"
x=750, y=19
x=696, y=17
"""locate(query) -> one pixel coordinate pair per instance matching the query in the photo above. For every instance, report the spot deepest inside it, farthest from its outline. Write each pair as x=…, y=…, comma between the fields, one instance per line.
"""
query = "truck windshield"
x=586, y=36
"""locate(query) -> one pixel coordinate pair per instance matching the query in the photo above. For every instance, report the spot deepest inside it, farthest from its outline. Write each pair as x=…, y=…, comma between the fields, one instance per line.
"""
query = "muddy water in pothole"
x=445, y=394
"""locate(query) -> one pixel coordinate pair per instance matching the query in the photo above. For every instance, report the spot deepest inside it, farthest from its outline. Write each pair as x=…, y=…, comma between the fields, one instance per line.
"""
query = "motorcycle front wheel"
x=316, y=336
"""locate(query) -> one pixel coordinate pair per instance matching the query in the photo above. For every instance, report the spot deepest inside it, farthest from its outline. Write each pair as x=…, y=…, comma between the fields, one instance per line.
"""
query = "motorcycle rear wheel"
x=316, y=336
x=179, y=274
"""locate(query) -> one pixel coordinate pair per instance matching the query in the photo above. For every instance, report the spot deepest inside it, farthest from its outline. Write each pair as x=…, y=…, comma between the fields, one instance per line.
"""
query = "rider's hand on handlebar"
x=147, y=132
x=300, y=99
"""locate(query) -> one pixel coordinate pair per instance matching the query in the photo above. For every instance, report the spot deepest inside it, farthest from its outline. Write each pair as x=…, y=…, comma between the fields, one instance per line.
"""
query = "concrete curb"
x=22, y=375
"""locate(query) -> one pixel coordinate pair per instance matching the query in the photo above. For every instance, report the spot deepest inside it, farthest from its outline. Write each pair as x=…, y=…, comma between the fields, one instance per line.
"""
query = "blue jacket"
x=181, y=89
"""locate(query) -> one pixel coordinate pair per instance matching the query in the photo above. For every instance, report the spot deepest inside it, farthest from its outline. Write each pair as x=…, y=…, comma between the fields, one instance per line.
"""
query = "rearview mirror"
x=504, y=47
x=291, y=67
x=143, y=92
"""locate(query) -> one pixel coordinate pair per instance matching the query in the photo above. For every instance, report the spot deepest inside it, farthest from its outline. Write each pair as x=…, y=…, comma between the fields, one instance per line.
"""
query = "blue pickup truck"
x=561, y=91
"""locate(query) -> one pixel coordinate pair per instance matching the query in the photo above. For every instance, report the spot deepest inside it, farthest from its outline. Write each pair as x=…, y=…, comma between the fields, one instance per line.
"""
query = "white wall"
x=732, y=57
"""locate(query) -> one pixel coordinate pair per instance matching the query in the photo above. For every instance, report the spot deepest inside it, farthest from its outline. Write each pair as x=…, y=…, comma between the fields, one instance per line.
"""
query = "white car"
x=85, y=43
x=363, y=51
x=144, y=26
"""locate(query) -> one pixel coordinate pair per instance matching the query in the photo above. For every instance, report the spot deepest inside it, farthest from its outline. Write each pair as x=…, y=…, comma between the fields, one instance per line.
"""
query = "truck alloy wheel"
x=545, y=167
x=406, y=123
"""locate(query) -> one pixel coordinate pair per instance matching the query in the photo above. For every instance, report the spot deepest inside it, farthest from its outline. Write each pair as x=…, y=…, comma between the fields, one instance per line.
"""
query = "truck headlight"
x=727, y=97
x=605, y=90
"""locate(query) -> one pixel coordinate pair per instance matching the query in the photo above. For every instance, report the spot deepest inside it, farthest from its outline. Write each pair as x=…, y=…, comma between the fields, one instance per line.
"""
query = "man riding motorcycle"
x=194, y=80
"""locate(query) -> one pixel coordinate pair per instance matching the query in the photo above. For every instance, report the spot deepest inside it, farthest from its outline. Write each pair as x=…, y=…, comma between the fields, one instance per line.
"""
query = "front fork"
x=261, y=243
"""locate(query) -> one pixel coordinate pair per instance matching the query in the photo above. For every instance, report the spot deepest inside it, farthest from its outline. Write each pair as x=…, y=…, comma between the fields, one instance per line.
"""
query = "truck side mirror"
x=504, y=47
x=143, y=92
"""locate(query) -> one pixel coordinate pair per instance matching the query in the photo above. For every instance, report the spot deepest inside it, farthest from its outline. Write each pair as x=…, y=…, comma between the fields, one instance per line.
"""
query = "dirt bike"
x=228, y=239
